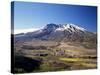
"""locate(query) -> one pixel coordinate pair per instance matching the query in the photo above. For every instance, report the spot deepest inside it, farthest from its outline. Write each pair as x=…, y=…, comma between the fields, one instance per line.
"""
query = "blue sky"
x=37, y=15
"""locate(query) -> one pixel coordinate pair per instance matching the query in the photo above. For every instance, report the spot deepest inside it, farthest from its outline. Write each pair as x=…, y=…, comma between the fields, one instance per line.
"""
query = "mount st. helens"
x=55, y=47
x=60, y=32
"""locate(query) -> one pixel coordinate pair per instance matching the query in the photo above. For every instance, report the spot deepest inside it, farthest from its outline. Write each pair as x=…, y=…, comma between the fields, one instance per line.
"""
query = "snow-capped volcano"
x=52, y=27
x=62, y=27
x=69, y=32
x=57, y=32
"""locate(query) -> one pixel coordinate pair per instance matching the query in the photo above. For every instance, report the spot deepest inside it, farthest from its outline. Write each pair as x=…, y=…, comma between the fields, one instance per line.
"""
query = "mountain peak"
x=51, y=26
x=75, y=26
x=57, y=32
x=62, y=27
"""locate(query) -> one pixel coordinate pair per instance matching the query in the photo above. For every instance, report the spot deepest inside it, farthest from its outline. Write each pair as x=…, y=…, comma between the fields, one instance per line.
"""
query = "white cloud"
x=16, y=31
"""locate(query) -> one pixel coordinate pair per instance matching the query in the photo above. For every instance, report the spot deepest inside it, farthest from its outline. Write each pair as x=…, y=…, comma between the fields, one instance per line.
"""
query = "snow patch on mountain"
x=62, y=27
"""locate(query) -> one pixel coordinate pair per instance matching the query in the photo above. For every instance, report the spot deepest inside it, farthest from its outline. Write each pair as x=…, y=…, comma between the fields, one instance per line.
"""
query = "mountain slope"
x=66, y=32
